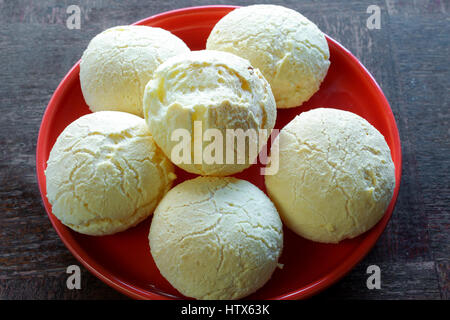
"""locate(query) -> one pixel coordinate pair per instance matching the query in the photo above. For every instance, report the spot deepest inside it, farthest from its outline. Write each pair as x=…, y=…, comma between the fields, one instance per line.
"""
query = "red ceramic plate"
x=123, y=260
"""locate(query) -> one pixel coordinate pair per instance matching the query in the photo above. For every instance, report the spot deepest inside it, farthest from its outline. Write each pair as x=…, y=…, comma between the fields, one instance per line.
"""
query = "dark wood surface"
x=409, y=57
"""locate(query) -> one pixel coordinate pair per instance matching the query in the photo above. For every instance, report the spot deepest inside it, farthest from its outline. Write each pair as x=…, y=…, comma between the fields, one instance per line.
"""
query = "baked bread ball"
x=336, y=176
x=219, y=91
x=105, y=174
x=119, y=62
x=216, y=238
x=291, y=52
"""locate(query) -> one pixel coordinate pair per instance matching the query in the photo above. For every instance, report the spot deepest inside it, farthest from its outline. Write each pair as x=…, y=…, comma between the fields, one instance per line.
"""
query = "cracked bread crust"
x=290, y=50
x=118, y=63
x=336, y=176
x=216, y=238
x=221, y=90
x=105, y=173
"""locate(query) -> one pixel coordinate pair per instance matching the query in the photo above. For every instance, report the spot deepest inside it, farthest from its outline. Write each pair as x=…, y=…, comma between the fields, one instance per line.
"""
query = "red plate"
x=123, y=261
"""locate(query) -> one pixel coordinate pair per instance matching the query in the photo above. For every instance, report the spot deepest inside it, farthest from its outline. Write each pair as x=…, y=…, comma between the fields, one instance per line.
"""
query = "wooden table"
x=408, y=55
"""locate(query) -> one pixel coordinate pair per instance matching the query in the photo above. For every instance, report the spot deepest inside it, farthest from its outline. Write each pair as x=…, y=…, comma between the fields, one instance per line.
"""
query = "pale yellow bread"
x=336, y=176
x=119, y=62
x=105, y=173
x=291, y=52
x=220, y=90
x=216, y=238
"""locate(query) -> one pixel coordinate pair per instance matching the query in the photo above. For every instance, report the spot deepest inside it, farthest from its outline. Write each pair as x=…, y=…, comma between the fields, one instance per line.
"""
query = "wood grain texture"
x=408, y=56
